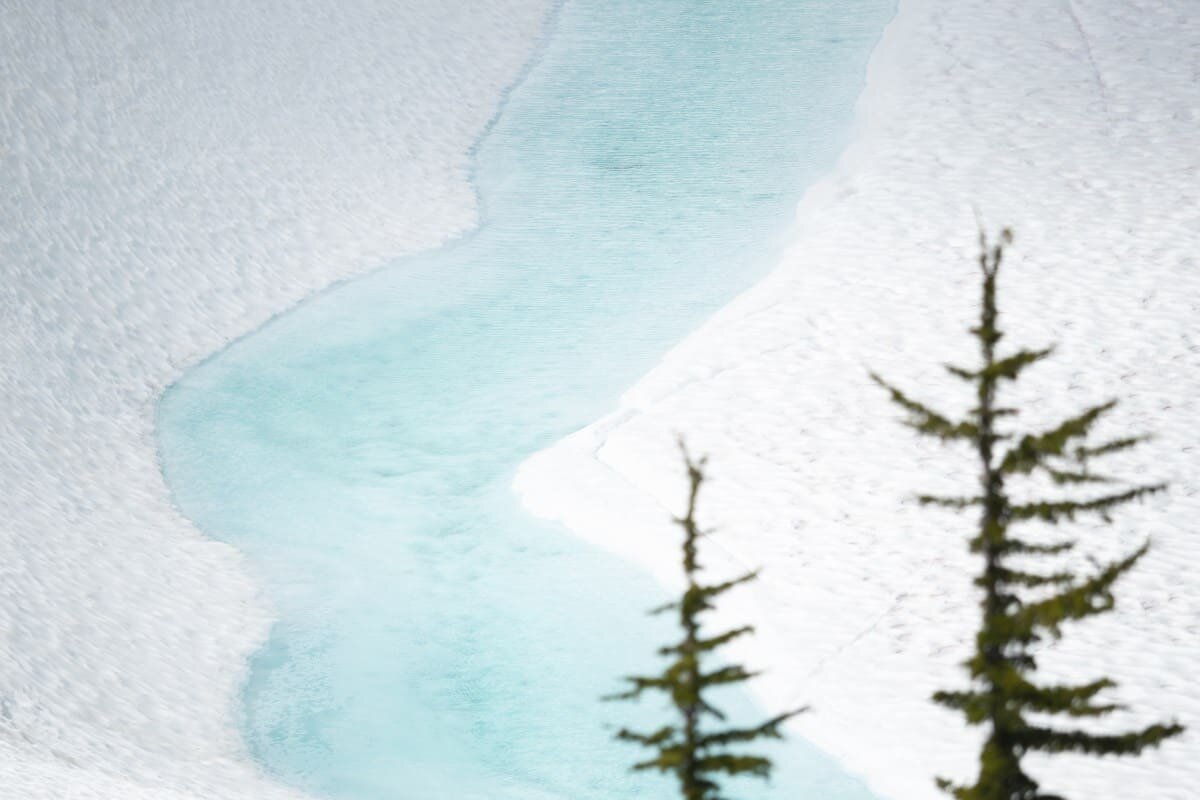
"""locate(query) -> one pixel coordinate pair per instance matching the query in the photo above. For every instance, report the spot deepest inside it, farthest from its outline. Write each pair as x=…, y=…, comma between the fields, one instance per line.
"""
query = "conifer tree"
x=1022, y=604
x=695, y=753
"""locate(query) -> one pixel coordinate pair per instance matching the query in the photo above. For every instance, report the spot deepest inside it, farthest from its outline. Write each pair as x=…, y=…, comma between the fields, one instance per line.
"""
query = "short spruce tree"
x=698, y=754
x=1021, y=604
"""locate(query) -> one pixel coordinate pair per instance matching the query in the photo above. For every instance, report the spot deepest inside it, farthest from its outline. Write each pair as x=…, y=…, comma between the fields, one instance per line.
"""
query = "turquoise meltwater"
x=434, y=642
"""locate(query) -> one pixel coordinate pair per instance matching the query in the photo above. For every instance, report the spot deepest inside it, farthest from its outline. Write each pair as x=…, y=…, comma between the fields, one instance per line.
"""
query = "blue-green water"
x=434, y=642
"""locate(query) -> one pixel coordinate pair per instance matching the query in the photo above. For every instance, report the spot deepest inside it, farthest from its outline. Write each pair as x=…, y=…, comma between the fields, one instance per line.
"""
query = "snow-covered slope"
x=171, y=175
x=1075, y=122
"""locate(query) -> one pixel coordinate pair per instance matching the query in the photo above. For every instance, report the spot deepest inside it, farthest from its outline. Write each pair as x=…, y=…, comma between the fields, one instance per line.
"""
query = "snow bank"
x=171, y=175
x=1077, y=123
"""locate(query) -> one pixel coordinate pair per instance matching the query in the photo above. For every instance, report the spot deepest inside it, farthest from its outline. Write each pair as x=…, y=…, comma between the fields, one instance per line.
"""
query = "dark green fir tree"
x=698, y=754
x=1022, y=604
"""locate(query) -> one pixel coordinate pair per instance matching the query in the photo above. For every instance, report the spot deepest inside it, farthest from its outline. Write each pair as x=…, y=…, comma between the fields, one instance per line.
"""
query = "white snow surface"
x=171, y=175
x=1075, y=122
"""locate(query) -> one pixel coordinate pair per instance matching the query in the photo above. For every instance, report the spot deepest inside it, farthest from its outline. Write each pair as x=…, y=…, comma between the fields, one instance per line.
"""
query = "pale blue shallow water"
x=434, y=642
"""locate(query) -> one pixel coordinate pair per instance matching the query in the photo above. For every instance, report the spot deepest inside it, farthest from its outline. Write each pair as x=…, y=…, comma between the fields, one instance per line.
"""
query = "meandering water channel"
x=434, y=642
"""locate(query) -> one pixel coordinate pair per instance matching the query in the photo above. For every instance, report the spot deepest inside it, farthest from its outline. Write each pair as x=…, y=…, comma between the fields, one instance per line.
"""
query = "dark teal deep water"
x=434, y=642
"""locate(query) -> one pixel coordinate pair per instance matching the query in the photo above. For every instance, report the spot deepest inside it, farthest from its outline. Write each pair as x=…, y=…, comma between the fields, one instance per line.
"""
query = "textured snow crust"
x=171, y=175
x=1078, y=124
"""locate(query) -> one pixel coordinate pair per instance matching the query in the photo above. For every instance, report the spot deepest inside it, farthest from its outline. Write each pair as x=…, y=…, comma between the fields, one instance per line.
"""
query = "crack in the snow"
x=1091, y=56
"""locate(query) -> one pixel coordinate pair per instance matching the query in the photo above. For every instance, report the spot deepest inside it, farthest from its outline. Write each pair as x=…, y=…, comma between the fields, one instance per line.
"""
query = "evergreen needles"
x=694, y=753
x=1020, y=604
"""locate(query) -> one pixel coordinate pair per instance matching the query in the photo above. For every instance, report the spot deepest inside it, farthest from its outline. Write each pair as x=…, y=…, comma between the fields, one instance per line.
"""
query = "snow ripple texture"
x=1077, y=123
x=172, y=175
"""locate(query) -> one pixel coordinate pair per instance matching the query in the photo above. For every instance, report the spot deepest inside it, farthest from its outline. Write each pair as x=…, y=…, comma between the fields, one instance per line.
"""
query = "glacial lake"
x=435, y=642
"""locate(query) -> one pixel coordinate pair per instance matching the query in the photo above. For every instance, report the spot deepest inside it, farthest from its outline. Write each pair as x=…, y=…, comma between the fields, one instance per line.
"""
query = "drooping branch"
x=1048, y=740
x=1057, y=511
x=925, y=420
x=1032, y=451
x=1088, y=598
x=956, y=503
x=1083, y=453
x=1007, y=368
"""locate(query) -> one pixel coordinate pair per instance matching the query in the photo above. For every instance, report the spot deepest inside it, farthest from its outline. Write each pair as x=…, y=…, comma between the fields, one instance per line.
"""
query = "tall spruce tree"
x=694, y=753
x=1022, y=605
